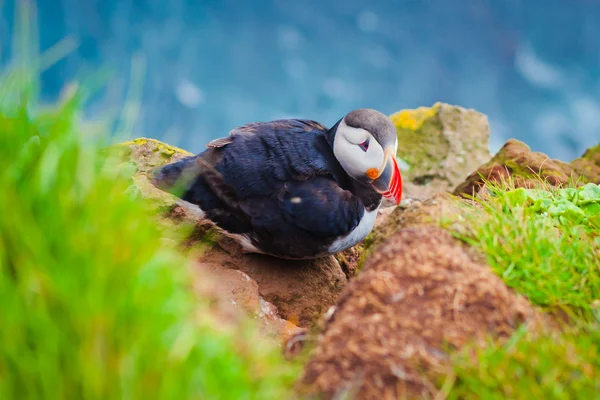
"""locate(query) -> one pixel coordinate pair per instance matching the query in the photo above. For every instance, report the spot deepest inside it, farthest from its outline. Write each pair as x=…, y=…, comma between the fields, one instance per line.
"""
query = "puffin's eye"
x=364, y=145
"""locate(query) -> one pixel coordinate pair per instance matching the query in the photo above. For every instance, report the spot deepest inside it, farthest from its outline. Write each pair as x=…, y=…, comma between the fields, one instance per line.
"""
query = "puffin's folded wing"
x=287, y=125
x=270, y=127
x=320, y=207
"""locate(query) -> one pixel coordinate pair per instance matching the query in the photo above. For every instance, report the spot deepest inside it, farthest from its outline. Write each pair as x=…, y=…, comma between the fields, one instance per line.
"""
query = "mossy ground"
x=588, y=164
x=551, y=365
x=544, y=243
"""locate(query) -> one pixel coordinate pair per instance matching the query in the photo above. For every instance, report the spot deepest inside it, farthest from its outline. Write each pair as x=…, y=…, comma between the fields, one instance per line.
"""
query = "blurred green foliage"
x=94, y=306
x=532, y=366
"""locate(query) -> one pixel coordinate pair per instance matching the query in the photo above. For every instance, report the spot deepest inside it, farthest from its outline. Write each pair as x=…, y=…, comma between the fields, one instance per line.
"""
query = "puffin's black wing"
x=320, y=206
x=303, y=219
x=278, y=180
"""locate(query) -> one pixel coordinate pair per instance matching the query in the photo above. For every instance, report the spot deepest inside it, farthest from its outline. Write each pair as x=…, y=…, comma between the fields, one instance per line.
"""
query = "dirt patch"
x=420, y=296
x=233, y=290
x=300, y=290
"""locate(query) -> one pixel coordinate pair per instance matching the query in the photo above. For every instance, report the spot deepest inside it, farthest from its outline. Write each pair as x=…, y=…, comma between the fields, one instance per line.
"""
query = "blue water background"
x=531, y=65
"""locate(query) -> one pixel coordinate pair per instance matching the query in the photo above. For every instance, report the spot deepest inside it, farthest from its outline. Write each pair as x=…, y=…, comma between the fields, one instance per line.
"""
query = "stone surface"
x=517, y=163
x=233, y=288
x=441, y=146
x=443, y=209
x=300, y=291
x=588, y=165
x=422, y=295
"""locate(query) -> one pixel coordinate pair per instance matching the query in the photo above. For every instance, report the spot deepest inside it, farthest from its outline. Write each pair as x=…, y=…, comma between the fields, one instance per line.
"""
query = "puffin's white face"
x=358, y=151
x=362, y=155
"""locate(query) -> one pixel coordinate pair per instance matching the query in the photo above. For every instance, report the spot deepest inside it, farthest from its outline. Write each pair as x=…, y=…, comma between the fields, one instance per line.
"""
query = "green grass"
x=531, y=366
x=94, y=306
x=545, y=244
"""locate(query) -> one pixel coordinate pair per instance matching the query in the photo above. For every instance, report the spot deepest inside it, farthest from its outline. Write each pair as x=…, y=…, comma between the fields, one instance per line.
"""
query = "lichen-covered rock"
x=138, y=157
x=588, y=165
x=422, y=295
x=441, y=145
x=301, y=291
x=516, y=162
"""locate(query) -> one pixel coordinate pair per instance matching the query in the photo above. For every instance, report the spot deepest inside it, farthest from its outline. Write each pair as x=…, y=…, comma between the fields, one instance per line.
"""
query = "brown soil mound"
x=420, y=294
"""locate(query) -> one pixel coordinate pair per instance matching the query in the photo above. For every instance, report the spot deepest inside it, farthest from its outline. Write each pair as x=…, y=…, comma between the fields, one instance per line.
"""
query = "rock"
x=349, y=260
x=231, y=287
x=588, y=165
x=141, y=155
x=421, y=296
x=517, y=163
x=300, y=291
x=441, y=146
x=443, y=209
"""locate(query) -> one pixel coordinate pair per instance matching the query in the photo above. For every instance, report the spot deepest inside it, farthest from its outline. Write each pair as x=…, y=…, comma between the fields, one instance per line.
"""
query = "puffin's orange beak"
x=389, y=181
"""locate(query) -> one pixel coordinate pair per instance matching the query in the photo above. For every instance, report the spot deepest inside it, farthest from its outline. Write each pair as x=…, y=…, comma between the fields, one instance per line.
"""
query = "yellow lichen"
x=414, y=119
x=163, y=147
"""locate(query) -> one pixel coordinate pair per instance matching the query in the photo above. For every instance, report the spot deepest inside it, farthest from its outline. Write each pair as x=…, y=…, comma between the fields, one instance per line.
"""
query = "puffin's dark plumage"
x=275, y=186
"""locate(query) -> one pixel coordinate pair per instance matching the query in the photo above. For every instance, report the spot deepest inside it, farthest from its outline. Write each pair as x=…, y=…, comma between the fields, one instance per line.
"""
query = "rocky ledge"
x=385, y=313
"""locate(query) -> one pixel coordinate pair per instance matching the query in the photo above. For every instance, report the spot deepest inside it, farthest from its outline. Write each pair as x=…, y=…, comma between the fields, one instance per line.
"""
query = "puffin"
x=292, y=188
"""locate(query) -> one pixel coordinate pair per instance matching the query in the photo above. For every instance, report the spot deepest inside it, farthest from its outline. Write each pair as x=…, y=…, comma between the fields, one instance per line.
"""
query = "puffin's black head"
x=365, y=144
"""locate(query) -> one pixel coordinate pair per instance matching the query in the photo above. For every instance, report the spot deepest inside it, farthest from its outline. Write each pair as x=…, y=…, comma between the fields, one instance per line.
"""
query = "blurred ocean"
x=533, y=66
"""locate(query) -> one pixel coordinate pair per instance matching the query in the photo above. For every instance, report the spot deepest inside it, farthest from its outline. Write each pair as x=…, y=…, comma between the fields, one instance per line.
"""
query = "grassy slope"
x=93, y=306
x=546, y=245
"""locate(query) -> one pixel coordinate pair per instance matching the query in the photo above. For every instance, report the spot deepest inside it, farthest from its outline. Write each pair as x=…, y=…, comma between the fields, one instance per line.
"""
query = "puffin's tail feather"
x=175, y=178
x=197, y=181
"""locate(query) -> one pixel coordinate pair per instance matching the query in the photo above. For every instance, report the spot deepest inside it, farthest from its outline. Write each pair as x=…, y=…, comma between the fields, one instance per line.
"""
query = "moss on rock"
x=515, y=162
x=441, y=145
x=588, y=165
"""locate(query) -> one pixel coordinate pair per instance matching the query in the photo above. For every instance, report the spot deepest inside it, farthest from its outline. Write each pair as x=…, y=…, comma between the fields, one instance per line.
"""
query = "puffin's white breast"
x=357, y=234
